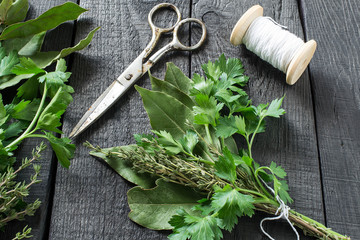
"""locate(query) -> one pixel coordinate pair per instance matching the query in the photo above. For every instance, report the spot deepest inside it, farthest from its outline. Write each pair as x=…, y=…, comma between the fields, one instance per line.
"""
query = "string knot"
x=282, y=213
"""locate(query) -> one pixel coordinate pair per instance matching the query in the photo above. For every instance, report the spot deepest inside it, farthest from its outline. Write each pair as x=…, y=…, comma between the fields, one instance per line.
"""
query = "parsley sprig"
x=56, y=96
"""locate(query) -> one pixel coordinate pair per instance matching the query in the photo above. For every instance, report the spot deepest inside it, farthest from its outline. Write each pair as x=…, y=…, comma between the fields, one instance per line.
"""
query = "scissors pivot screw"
x=128, y=77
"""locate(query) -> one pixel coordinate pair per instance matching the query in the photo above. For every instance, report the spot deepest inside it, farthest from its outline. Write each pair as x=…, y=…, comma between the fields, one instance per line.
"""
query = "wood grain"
x=335, y=75
x=90, y=199
x=55, y=40
x=289, y=141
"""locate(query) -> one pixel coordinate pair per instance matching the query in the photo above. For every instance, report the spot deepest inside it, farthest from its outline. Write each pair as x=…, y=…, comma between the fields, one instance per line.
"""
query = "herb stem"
x=261, y=185
x=253, y=135
x=250, y=191
x=198, y=159
x=37, y=115
x=208, y=134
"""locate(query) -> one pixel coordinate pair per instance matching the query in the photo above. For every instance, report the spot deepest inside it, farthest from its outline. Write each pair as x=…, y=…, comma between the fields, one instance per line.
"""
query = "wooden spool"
x=299, y=62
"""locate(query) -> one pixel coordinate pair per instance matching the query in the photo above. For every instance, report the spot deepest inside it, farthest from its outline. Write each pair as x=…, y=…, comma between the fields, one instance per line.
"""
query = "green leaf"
x=277, y=170
x=3, y=114
x=8, y=62
x=46, y=21
x=225, y=166
x=29, y=89
x=277, y=185
x=12, y=81
x=15, y=129
x=283, y=192
x=50, y=117
x=177, y=78
x=44, y=59
x=203, y=228
x=123, y=167
x=227, y=69
x=146, y=144
x=248, y=160
x=165, y=112
x=211, y=71
x=226, y=96
x=153, y=208
x=61, y=65
x=27, y=46
x=201, y=85
x=231, y=144
x=168, y=142
x=207, y=110
x=189, y=141
x=6, y=158
x=25, y=110
x=274, y=109
x=62, y=147
x=230, y=204
x=240, y=125
x=55, y=79
x=26, y=66
x=81, y=45
x=252, y=120
x=5, y=5
x=166, y=87
x=226, y=127
x=17, y=12
x=196, y=228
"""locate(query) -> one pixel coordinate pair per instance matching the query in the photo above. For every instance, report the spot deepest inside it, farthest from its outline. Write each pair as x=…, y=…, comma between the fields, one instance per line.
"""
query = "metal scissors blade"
x=138, y=68
x=110, y=96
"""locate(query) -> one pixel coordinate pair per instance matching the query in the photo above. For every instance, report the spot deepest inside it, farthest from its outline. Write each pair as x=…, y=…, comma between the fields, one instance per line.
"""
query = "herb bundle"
x=42, y=96
x=191, y=175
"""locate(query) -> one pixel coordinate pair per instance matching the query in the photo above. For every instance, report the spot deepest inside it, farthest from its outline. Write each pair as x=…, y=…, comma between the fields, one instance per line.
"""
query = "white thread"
x=284, y=213
x=270, y=42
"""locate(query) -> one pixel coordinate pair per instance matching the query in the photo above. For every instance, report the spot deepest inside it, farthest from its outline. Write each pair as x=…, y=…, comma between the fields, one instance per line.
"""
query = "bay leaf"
x=123, y=167
x=17, y=12
x=153, y=208
x=44, y=59
x=27, y=46
x=165, y=112
x=4, y=8
x=177, y=78
x=46, y=21
x=12, y=81
x=165, y=87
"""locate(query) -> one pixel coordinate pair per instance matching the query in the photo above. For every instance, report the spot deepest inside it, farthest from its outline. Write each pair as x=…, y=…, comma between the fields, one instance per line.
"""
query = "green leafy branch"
x=42, y=97
x=194, y=121
x=12, y=193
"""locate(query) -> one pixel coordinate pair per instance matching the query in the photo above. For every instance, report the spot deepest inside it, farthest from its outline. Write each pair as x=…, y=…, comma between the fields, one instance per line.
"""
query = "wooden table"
x=317, y=141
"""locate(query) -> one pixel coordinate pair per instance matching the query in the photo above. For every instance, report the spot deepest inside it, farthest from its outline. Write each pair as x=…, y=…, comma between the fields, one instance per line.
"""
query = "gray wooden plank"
x=90, y=199
x=290, y=141
x=335, y=75
x=55, y=40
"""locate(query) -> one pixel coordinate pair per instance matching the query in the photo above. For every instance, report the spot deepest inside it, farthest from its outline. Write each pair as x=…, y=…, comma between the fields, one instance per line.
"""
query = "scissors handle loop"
x=156, y=8
x=178, y=45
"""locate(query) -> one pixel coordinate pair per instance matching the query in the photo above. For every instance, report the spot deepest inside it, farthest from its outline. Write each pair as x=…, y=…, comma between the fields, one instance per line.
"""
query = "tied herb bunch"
x=191, y=176
x=32, y=99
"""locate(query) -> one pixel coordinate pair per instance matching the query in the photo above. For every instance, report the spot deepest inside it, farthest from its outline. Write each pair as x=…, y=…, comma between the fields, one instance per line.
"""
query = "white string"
x=284, y=213
x=270, y=42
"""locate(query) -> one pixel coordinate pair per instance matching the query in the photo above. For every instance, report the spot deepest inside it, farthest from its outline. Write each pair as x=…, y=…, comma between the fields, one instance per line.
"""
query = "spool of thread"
x=267, y=39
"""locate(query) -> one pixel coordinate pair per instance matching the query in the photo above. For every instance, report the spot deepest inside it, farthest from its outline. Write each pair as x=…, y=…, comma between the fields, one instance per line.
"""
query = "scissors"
x=138, y=67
